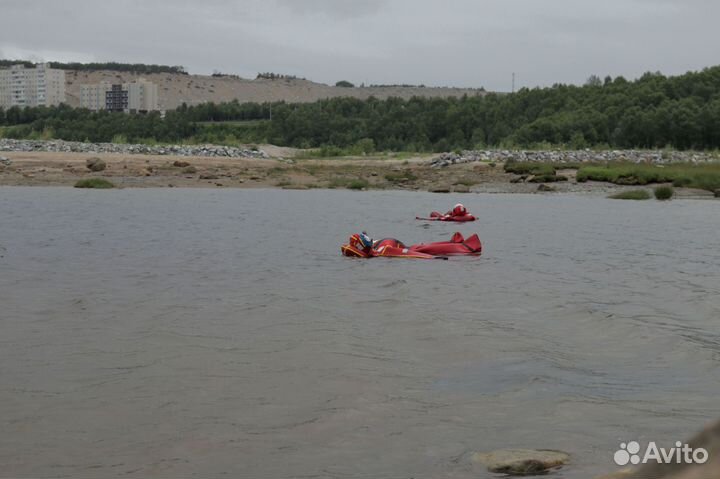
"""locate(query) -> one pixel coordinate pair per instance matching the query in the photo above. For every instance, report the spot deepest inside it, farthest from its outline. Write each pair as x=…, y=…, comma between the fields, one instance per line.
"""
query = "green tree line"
x=113, y=66
x=653, y=111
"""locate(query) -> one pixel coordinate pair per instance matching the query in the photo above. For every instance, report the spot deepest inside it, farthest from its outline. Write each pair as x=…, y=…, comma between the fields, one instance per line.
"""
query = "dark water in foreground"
x=218, y=333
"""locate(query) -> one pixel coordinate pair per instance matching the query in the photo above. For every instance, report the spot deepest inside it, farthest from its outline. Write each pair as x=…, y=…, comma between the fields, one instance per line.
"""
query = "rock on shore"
x=578, y=156
x=60, y=146
x=95, y=164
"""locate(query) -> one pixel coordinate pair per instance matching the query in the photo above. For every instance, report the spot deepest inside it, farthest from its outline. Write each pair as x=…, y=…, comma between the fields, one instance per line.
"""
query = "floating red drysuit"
x=457, y=246
x=435, y=216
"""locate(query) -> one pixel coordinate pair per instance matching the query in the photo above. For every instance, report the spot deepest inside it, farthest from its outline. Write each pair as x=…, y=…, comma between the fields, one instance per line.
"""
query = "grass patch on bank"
x=541, y=172
x=529, y=168
x=467, y=182
x=631, y=195
x=402, y=176
x=349, y=183
x=705, y=176
x=547, y=178
x=96, y=183
x=363, y=147
x=664, y=192
x=357, y=185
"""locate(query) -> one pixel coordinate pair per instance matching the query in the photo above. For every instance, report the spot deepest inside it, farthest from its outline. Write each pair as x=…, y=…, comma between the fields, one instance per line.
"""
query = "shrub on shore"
x=547, y=178
x=357, y=185
x=664, y=192
x=97, y=183
x=631, y=195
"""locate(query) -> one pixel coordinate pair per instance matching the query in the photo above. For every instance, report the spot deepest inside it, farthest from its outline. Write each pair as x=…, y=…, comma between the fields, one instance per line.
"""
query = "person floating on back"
x=458, y=213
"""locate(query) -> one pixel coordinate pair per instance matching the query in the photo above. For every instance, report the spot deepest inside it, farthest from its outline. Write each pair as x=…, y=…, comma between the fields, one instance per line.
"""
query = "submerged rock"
x=548, y=188
x=521, y=462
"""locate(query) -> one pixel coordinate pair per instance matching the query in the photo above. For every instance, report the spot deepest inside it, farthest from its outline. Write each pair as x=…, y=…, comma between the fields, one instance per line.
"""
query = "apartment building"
x=26, y=86
x=135, y=97
x=116, y=99
x=92, y=97
x=142, y=96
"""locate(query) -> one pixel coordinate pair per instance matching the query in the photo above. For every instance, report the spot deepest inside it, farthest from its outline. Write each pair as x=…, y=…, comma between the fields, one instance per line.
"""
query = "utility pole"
x=513, y=82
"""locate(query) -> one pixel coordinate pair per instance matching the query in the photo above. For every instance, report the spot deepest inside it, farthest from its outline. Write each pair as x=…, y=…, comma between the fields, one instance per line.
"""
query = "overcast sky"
x=469, y=43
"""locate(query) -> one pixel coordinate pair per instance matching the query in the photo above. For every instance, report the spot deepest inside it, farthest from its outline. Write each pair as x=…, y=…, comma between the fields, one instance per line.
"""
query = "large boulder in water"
x=521, y=462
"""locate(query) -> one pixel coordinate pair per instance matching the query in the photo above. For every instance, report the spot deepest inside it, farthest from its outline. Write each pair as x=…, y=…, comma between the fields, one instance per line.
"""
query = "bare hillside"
x=176, y=89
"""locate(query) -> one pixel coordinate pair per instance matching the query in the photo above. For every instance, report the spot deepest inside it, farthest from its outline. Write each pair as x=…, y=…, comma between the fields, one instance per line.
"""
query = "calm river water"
x=219, y=333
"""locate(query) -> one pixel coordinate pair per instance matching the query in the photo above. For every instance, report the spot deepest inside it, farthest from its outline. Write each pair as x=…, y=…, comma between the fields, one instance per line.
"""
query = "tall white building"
x=40, y=86
x=139, y=96
x=142, y=96
x=93, y=96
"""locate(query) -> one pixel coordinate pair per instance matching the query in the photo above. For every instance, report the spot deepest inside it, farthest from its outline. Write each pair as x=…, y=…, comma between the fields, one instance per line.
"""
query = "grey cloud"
x=455, y=43
x=334, y=8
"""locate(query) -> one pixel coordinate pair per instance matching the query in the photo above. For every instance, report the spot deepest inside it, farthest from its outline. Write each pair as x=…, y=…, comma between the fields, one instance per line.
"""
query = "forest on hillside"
x=654, y=111
x=95, y=66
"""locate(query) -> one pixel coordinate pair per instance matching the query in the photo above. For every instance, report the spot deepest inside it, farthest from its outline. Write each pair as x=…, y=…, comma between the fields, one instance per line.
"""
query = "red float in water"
x=435, y=216
x=458, y=213
x=392, y=248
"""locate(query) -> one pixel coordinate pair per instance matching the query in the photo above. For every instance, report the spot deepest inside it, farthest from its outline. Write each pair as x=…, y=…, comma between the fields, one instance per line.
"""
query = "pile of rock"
x=60, y=146
x=578, y=156
x=5, y=161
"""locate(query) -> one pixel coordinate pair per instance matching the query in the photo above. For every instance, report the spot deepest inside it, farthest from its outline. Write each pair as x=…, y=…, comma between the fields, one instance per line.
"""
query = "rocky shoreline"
x=60, y=146
x=576, y=156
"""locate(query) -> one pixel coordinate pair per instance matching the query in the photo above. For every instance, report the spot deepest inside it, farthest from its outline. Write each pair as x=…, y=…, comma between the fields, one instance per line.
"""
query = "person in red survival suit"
x=458, y=210
x=362, y=242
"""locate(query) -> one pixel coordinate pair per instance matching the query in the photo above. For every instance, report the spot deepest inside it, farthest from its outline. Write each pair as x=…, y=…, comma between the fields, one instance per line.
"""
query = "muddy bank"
x=277, y=169
x=42, y=168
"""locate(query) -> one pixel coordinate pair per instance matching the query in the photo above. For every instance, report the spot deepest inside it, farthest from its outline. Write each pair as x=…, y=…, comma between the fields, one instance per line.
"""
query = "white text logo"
x=629, y=453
